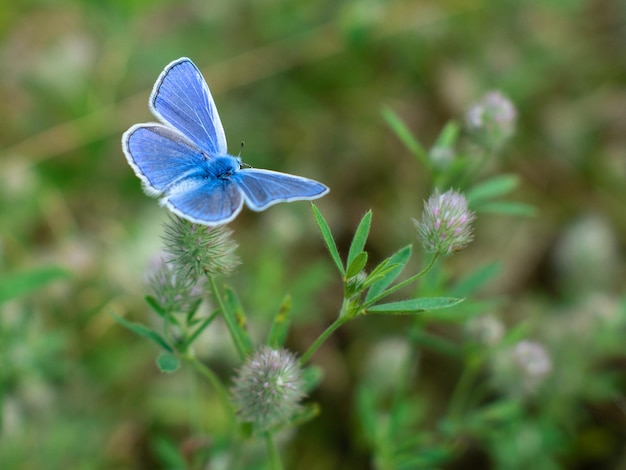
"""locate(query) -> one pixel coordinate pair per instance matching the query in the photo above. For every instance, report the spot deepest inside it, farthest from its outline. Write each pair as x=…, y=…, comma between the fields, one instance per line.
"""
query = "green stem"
x=321, y=338
x=216, y=383
x=406, y=282
x=462, y=389
x=272, y=451
x=231, y=322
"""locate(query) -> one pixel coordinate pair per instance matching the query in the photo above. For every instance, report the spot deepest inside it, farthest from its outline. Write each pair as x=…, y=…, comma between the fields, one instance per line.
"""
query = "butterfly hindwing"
x=206, y=201
x=182, y=99
x=263, y=188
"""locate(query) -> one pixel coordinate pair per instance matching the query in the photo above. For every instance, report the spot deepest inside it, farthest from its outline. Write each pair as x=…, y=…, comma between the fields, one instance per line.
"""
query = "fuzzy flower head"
x=174, y=292
x=446, y=224
x=196, y=250
x=491, y=120
x=268, y=388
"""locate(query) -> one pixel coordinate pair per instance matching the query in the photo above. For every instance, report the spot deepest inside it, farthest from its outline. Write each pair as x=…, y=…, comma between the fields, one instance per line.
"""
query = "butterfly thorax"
x=222, y=167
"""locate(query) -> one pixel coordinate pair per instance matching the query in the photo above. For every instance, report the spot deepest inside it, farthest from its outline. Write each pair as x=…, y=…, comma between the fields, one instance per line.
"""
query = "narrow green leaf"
x=280, y=325
x=357, y=265
x=492, y=188
x=443, y=346
x=235, y=312
x=306, y=413
x=405, y=135
x=360, y=237
x=379, y=272
x=367, y=413
x=399, y=258
x=312, y=376
x=414, y=305
x=19, y=284
x=328, y=238
x=508, y=208
x=141, y=330
x=169, y=453
x=202, y=324
x=167, y=362
x=193, y=309
x=155, y=305
x=448, y=135
x=473, y=281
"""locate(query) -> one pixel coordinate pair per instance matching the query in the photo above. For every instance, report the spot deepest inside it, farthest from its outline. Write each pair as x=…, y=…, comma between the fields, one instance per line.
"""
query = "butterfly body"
x=185, y=162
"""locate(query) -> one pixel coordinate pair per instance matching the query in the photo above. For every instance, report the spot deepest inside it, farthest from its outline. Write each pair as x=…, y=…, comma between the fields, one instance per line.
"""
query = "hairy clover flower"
x=446, y=224
x=196, y=250
x=174, y=292
x=268, y=388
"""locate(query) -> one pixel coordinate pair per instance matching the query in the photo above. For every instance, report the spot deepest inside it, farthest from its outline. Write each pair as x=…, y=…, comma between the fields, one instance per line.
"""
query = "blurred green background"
x=303, y=84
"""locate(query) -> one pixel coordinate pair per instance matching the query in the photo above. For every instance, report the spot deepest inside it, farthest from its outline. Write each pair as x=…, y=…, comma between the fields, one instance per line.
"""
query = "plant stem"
x=321, y=338
x=216, y=383
x=231, y=322
x=462, y=389
x=272, y=452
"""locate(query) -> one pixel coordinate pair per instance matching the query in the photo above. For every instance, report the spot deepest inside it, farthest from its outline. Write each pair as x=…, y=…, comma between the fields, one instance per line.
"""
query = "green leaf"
x=443, y=346
x=448, y=135
x=238, y=327
x=472, y=282
x=379, y=272
x=202, y=324
x=357, y=265
x=360, y=237
x=193, y=309
x=155, y=305
x=169, y=454
x=414, y=305
x=280, y=325
x=167, y=362
x=19, y=284
x=492, y=188
x=508, y=208
x=328, y=238
x=405, y=135
x=143, y=331
x=312, y=376
x=306, y=413
x=399, y=258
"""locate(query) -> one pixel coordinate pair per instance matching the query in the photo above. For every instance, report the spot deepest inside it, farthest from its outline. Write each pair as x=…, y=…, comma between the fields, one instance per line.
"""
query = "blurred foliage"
x=304, y=84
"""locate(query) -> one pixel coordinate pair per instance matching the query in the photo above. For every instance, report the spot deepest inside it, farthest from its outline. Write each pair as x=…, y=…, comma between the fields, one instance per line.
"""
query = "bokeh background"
x=303, y=85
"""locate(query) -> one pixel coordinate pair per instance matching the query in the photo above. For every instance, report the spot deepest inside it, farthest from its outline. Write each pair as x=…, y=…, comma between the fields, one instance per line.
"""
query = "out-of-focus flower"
x=268, y=388
x=446, y=224
x=491, y=120
x=486, y=329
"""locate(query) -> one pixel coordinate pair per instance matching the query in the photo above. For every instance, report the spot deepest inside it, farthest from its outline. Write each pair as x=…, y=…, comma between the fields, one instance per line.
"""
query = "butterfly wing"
x=263, y=188
x=181, y=98
x=160, y=156
x=206, y=201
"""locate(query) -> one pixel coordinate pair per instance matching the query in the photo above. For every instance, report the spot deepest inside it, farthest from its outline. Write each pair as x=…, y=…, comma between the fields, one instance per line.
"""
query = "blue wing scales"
x=206, y=201
x=182, y=99
x=263, y=188
x=160, y=156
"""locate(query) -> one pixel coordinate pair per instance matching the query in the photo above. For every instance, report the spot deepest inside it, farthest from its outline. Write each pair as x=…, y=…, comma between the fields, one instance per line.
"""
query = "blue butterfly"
x=185, y=160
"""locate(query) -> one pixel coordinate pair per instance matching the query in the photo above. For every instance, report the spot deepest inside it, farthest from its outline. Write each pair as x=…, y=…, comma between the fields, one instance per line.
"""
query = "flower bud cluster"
x=268, y=388
x=446, y=224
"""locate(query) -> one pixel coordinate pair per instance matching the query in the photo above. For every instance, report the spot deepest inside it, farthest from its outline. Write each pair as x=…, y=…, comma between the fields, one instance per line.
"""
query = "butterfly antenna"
x=241, y=148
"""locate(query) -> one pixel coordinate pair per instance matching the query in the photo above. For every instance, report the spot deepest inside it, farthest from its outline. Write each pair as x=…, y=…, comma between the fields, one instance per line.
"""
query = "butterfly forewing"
x=160, y=155
x=182, y=99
